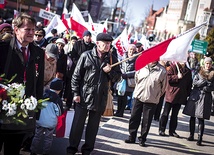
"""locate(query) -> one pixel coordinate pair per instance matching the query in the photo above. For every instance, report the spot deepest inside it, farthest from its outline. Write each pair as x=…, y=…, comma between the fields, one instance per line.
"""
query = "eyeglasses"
x=38, y=35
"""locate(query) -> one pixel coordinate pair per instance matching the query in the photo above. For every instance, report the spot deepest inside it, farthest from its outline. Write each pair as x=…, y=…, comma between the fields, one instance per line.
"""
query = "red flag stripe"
x=152, y=54
x=78, y=28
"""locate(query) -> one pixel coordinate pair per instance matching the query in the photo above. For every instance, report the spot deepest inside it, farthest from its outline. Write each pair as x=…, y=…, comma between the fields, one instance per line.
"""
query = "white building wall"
x=191, y=10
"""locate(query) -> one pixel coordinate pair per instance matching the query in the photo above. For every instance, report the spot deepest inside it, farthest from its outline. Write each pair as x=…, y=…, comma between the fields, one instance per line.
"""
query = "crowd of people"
x=77, y=71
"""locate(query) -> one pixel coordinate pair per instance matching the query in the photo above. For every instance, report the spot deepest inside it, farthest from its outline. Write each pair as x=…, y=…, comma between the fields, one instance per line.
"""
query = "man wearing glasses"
x=39, y=38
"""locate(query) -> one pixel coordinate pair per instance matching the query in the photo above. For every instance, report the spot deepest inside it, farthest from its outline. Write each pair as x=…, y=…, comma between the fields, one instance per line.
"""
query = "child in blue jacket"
x=47, y=122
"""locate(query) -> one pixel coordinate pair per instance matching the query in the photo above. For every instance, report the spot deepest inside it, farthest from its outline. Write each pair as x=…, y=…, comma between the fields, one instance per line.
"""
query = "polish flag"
x=3, y=4
x=90, y=23
x=173, y=49
x=55, y=23
x=64, y=124
x=48, y=8
x=144, y=42
x=130, y=29
x=15, y=13
x=135, y=37
x=105, y=26
x=121, y=44
x=66, y=18
x=78, y=23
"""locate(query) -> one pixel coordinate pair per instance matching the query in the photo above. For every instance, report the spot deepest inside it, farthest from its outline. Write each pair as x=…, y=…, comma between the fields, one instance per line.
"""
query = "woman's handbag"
x=109, y=111
x=109, y=106
x=121, y=87
x=131, y=82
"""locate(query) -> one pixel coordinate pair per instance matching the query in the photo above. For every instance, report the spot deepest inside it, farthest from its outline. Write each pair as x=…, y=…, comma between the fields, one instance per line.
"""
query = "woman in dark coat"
x=128, y=71
x=200, y=101
x=178, y=89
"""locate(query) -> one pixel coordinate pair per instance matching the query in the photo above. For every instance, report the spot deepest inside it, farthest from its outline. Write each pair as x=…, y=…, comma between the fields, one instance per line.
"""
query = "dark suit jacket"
x=34, y=75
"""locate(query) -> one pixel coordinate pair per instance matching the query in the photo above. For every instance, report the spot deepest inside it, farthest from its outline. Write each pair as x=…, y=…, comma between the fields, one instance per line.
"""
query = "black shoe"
x=190, y=138
x=174, y=134
x=118, y=115
x=161, y=133
x=127, y=108
x=129, y=141
x=142, y=144
x=156, y=119
x=33, y=154
x=199, y=143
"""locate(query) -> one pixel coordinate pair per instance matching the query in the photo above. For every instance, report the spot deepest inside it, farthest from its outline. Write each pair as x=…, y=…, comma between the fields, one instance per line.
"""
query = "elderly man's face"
x=25, y=33
x=103, y=46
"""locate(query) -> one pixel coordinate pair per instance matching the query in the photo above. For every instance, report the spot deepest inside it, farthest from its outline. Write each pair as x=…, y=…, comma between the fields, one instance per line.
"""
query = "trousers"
x=173, y=118
x=138, y=108
x=77, y=128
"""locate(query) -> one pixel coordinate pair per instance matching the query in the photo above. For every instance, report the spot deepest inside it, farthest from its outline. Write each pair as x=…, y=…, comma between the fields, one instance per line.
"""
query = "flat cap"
x=104, y=37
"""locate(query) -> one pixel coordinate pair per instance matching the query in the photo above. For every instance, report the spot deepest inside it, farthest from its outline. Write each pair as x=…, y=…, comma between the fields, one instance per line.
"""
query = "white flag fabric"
x=121, y=44
x=173, y=49
x=78, y=23
x=56, y=23
x=178, y=48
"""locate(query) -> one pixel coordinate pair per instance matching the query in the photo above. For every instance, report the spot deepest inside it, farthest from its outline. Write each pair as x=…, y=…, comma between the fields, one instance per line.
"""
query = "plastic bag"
x=121, y=87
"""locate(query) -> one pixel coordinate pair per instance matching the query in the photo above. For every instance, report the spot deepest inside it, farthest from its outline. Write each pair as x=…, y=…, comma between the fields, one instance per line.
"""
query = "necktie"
x=25, y=54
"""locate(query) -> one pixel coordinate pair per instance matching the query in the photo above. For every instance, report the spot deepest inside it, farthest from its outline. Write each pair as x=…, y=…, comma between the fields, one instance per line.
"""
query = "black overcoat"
x=11, y=55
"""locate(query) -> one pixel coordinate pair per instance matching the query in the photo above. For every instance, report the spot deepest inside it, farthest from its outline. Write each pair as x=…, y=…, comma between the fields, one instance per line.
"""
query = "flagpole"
x=204, y=23
x=120, y=62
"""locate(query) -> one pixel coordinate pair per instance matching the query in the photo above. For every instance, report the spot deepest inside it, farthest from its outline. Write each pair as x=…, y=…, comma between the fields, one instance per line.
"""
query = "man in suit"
x=23, y=58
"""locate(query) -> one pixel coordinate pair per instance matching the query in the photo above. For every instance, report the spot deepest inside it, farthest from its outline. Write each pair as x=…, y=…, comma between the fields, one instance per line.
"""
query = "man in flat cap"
x=90, y=90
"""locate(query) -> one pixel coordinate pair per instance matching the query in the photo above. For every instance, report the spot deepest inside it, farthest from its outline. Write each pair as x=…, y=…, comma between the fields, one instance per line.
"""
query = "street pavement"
x=114, y=130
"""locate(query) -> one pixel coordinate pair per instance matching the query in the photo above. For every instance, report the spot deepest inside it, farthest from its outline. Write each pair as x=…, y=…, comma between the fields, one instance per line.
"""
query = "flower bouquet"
x=14, y=105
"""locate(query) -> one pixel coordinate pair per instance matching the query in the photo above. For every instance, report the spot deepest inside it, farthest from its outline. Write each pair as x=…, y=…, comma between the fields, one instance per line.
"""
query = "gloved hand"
x=124, y=76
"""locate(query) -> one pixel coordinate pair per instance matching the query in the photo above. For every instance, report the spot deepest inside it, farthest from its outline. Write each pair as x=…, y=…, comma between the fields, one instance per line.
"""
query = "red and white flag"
x=48, y=8
x=15, y=13
x=144, y=42
x=55, y=23
x=173, y=49
x=121, y=44
x=135, y=37
x=78, y=23
x=3, y=4
x=90, y=23
x=130, y=29
x=105, y=26
x=64, y=124
x=66, y=18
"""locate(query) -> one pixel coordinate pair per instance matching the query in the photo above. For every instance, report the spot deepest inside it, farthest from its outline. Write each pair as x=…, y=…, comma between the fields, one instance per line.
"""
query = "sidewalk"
x=114, y=130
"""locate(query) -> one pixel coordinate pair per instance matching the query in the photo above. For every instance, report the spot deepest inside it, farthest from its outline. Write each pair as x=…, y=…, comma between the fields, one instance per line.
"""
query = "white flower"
x=22, y=106
x=10, y=112
x=4, y=102
x=34, y=102
x=5, y=107
x=14, y=106
x=28, y=104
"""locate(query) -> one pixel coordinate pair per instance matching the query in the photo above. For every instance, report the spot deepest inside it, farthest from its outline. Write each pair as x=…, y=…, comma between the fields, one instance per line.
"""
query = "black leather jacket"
x=90, y=82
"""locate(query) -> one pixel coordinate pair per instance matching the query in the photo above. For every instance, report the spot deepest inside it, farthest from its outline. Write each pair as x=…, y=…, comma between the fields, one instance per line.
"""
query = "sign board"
x=199, y=46
x=46, y=14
